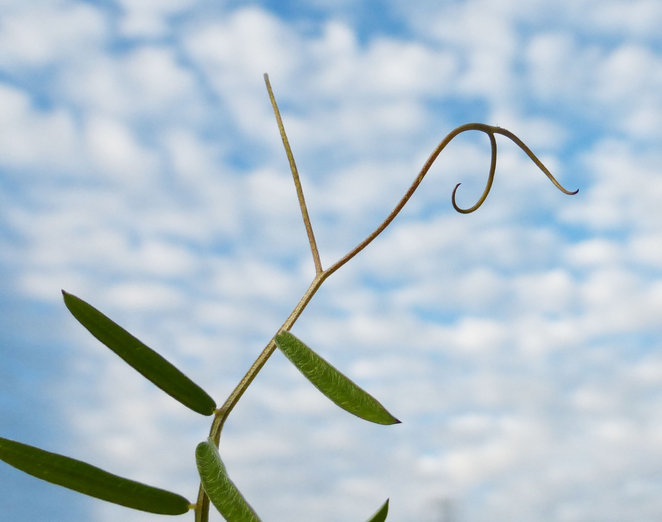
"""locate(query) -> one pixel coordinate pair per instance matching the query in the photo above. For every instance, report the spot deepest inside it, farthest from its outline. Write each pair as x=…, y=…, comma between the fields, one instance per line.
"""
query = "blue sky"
x=141, y=169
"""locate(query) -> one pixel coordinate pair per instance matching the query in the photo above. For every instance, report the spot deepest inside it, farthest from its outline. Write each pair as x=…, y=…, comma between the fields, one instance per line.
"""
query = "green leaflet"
x=219, y=488
x=90, y=480
x=380, y=516
x=149, y=363
x=331, y=382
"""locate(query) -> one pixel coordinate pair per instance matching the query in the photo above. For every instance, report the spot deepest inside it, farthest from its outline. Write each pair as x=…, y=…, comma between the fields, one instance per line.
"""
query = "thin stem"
x=222, y=413
x=202, y=506
x=295, y=176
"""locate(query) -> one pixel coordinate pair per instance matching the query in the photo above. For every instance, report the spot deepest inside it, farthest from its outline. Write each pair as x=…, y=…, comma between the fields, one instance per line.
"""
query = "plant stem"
x=295, y=176
x=222, y=413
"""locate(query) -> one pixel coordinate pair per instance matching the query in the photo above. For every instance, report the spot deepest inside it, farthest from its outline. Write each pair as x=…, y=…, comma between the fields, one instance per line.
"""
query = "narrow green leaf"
x=219, y=488
x=331, y=382
x=145, y=360
x=90, y=480
x=380, y=516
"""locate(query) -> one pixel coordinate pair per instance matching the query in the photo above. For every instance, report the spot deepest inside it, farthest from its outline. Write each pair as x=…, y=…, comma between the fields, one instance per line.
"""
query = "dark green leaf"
x=219, y=488
x=380, y=516
x=331, y=382
x=149, y=363
x=90, y=480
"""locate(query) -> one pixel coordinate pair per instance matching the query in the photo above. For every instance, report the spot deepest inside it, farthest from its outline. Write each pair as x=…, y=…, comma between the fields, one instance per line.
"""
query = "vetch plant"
x=215, y=484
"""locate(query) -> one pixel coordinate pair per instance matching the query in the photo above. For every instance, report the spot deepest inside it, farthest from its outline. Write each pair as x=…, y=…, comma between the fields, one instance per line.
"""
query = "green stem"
x=223, y=412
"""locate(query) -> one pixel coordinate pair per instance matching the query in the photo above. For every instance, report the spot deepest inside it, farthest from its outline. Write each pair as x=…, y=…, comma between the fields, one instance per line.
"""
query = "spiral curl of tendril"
x=491, y=131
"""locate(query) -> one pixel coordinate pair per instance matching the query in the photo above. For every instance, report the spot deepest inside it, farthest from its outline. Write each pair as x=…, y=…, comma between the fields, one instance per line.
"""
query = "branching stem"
x=222, y=413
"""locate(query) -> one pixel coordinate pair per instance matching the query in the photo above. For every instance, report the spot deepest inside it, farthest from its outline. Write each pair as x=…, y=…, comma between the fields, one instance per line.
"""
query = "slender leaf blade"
x=219, y=488
x=340, y=389
x=90, y=480
x=145, y=360
x=381, y=514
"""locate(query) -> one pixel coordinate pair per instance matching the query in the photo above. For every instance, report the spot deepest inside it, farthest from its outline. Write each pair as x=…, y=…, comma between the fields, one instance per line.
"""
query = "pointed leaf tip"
x=381, y=514
x=90, y=480
x=219, y=488
x=341, y=390
x=143, y=359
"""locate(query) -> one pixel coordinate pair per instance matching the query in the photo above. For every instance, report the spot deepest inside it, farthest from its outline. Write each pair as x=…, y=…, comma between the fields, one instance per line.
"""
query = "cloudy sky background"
x=141, y=169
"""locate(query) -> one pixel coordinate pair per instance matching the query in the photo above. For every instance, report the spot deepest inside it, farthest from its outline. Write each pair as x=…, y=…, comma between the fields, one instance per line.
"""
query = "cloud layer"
x=141, y=169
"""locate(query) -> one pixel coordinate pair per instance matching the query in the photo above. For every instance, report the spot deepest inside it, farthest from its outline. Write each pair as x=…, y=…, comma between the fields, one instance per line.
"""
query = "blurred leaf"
x=380, y=516
x=90, y=480
x=149, y=363
x=331, y=382
x=219, y=488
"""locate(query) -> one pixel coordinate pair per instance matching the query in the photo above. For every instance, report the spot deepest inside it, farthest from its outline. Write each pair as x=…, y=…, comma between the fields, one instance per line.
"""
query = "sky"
x=141, y=169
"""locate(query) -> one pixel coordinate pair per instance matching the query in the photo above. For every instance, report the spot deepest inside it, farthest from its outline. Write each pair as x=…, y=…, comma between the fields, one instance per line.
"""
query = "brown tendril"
x=491, y=131
x=487, y=129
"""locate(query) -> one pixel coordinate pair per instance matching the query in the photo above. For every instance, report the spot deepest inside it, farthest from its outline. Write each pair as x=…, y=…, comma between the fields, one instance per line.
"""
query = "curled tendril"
x=491, y=131
x=488, y=185
x=487, y=129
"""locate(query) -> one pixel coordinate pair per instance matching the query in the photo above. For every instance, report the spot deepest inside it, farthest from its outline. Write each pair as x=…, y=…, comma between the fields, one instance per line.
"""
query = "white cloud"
x=233, y=54
x=147, y=82
x=48, y=32
x=628, y=69
x=149, y=18
x=625, y=77
x=647, y=249
x=626, y=190
x=547, y=292
x=141, y=295
x=114, y=150
x=559, y=65
x=31, y=138
x=385, y=67
x=639, y=18
x=595, y=253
